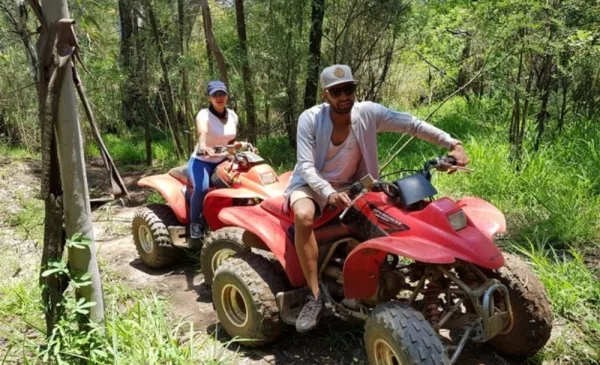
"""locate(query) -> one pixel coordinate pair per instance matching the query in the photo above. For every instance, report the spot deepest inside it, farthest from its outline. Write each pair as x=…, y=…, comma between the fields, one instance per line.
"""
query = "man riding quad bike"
x=406, y=263
x=161, y=231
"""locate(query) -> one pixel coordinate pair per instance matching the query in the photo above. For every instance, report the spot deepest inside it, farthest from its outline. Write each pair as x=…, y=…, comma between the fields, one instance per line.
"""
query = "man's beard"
x=345, y=110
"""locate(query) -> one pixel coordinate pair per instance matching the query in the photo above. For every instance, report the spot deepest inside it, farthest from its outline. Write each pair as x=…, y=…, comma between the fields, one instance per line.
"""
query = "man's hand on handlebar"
x=457, y=157
x=339, y=200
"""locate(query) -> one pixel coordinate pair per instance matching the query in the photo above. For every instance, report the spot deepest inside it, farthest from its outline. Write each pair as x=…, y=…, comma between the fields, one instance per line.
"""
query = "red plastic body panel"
x=218, y=199
x=484, y=215
x=170, y=189
x=272, y=231
x=276, y=206
x=429, y=238
x=361, y=269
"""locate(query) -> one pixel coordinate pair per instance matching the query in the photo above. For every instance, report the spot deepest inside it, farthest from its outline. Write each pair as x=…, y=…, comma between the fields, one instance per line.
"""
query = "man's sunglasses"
x=219, y=94
x=336, y=92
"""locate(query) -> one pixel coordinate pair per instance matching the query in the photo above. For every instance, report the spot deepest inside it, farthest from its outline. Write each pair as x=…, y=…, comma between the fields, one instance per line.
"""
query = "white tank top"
x=341, y=162
x=219, y=133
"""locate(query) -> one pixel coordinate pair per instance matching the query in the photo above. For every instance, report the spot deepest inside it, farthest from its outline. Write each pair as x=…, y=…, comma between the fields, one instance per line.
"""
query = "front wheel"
x=397, y=334
x=218, y=247
x=531, y=322
x=244, y=289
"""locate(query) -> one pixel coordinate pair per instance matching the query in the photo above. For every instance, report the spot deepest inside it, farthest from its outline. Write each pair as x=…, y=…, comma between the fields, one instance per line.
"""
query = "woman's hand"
x=206, y=151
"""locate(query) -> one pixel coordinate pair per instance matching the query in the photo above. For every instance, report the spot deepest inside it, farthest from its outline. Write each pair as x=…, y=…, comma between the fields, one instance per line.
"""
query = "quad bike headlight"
x=458, y=220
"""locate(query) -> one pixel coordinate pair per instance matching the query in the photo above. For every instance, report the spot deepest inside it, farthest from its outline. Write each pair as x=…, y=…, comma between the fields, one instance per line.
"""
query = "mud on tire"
x=244, y=289
x=532, y=312
x=217, y=247
x=151, y=236
x=396, y=333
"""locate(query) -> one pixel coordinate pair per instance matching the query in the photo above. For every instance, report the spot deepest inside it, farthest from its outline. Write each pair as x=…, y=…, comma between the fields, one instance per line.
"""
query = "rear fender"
x=361, y=269
x=272, y=232
x=486, y=217
x=171, y=190
x=218, y=199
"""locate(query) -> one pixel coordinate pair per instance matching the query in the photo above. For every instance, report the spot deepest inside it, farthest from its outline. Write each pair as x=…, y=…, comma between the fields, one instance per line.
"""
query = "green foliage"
x=575, y=296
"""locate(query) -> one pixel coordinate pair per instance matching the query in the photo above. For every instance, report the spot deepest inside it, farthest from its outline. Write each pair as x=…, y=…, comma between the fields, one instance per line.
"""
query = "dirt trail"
x=332, y=342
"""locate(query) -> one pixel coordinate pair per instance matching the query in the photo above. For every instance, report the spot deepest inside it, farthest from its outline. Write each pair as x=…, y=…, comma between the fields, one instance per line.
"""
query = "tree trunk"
x=170, y=104
x=127, y=21
x=545, y=87
x=246, y=75
x=212, y=42
x=563, y=107
x=206, y=20
x=77, y=211
x=516, y=115
x=184, y=78
x=314, y=48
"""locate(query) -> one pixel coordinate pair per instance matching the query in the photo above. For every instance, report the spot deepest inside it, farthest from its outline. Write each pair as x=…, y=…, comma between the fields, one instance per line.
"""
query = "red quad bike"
x=423, y=273
x=160, y=231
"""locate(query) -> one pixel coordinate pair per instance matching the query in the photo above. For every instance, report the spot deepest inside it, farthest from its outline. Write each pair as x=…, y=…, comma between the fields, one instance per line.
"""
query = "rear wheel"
x=151, y=235
x=532, y=317
x=218, y=247
x=397, y=334
x=244, y=290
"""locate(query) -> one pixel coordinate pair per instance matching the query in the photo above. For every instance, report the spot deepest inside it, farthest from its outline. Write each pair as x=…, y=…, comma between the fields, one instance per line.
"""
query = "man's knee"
x=304, y=213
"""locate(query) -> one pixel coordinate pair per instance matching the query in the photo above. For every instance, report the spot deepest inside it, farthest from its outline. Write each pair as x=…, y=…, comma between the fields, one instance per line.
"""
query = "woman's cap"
x=215, y=86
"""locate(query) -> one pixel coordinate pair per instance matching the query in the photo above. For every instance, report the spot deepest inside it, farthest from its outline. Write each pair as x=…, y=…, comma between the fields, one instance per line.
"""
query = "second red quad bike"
x=423, y=273
x=161, y=231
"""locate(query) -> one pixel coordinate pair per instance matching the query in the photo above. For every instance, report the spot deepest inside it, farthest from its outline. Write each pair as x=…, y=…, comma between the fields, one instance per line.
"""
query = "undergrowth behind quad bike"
x=409, y=265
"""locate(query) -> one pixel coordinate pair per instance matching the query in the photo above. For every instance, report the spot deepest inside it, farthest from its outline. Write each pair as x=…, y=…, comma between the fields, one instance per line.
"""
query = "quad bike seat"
x=181, y=174
x=277, y=207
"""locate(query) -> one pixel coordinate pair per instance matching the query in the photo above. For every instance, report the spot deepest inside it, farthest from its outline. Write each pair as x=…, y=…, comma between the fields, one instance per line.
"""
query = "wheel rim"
x=385, y=354
x=219, y=257
x=146, y=240
x=234, y=305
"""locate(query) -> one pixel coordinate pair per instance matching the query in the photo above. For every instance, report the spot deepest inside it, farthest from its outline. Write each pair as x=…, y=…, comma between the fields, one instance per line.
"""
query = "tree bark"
x=77, y=211
x=246, y=74
x=127, y=21
x=187, y=107
x=212, y=42
x=314, y=49
x=170, y=104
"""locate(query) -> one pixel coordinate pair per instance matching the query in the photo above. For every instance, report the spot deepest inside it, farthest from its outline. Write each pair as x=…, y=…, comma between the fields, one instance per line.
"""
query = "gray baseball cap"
x=335, y=75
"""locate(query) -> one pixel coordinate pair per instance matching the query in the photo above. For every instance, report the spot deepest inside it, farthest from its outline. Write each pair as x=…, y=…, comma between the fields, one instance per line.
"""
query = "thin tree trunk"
x=170, y=104
x=246, y=74
x=184, y=78
x=206, y=20
x=212, y=42
x=314, y=49
x=77, y=211
x=545, y=87
x=563, y=107
x=516, y=115
x=126, y=20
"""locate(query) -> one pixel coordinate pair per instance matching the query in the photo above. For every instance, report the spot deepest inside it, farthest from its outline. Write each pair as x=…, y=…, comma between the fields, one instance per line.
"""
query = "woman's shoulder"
x=203, y=113
x=232, y=115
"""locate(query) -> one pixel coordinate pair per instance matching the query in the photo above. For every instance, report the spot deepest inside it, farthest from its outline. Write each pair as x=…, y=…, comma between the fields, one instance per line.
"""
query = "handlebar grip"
x=451, y=160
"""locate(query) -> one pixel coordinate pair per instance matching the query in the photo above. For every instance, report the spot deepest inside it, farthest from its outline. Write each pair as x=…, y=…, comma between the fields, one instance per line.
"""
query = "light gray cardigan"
x=368, y=119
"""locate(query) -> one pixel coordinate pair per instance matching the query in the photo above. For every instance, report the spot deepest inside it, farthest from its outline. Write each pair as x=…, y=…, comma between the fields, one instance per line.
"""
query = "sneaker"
x=195, y=230
x=310, y=314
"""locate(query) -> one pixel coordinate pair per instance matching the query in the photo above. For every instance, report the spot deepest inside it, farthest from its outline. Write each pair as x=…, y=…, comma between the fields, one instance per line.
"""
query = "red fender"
x=272, y=232
x=218, y=199
x=170, y=189
x=361, y=269
x=486, y=217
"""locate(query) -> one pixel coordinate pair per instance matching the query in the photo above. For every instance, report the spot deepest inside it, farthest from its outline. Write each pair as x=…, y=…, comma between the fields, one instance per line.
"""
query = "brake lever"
x=351, y=204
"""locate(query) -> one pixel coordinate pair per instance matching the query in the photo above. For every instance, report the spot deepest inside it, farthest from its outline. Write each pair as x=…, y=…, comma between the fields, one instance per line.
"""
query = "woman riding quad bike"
x=161, y=231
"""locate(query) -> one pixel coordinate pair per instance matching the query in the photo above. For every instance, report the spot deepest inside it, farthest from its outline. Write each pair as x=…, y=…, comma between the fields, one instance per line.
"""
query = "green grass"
x=140, y=329
x=575, y=295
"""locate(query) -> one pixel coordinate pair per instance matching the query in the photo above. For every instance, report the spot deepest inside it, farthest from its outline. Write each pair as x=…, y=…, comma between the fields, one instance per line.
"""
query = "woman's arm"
x=201, y=133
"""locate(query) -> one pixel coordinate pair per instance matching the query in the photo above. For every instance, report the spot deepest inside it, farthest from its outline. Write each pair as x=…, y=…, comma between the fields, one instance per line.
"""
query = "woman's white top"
x=219, y=133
